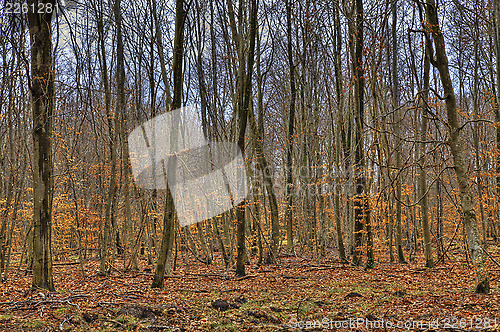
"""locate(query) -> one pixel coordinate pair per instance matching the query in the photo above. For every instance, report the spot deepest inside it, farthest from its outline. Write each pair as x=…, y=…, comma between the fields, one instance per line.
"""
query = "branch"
x=437, y=94
x=473, y=121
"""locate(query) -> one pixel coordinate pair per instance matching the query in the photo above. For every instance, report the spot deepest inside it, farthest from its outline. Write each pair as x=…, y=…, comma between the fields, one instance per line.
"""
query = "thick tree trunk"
x=42, y=93
x=457, y=150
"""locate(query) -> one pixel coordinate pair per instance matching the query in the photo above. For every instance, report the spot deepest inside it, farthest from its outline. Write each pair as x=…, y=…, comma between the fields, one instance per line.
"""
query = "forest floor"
x=296, y=294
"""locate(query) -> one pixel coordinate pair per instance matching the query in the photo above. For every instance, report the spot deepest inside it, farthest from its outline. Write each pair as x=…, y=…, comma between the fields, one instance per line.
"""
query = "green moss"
x=34, y=324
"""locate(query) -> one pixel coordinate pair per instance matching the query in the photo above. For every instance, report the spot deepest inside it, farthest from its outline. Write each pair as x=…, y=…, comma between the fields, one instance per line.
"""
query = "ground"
x=296, y=294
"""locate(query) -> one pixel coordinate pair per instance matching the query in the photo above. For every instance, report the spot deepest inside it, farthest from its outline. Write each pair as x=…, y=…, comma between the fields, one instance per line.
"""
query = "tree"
x=169, y=213
x=496, y=34
x=360, y=200
x=397, y=134
x=42, y=94
x=423, y=173
x=291, y=125
x=244, y=95
x=431, y=26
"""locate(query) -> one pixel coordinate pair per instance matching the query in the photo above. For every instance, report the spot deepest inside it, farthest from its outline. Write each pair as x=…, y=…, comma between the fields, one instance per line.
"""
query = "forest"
x=250, y=165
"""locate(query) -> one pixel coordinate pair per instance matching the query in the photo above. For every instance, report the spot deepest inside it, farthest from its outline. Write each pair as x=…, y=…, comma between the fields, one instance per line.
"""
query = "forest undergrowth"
x=297, y=294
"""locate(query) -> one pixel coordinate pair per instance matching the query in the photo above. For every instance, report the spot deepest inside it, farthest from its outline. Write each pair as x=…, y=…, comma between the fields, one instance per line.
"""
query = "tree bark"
x=169, y=212
x=338, y=125
x=291, y=121
x=424, y=205
x=242, y=123
x=397, y=132
x=496, y=8
x=42, y=93
x=457, y=150
x=359, y=86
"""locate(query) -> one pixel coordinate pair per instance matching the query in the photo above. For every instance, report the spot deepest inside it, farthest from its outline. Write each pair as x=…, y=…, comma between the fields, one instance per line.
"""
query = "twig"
x=61, y=326
x=248, y=276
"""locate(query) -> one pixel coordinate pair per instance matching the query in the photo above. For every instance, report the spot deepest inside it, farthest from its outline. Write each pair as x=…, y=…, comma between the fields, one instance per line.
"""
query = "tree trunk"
x=244, y=103
x=496, y=8
x=457, y=150
x=106, y=237
x=360, y=208
x=268, y=184
x=397, y=126
x=291, y=121
x=338, y=125
x=169, y=212
x=424, y=204
x=42, y=93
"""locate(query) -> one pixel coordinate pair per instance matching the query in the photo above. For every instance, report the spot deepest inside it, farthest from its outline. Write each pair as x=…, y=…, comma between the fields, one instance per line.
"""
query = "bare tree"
x=42, y=93
x=457, y=150
x=169, y=213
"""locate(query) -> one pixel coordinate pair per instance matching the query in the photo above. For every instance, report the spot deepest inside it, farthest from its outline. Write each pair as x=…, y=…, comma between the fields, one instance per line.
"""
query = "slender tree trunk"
x=107, y=231
x=243, y=107
x=496, y=8
x=457, y=150
x=424, y=205
x=121, y=117
x=397, y=132
x=268, y=184
x=291, y=125
x=360, y=208
x=42, y=93
x=169, y=212
x=338, y=125
x=475, y=134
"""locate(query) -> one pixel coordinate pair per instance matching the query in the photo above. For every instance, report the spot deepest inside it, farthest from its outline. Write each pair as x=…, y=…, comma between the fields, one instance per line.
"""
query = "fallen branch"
x=248, y=276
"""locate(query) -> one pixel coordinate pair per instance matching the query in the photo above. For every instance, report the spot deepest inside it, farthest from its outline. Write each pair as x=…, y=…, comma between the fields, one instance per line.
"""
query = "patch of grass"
x=363, y=290
x=306, y=308
x=387, y=299
x=61, y=310
x=127, y=319
x=34, y=324
x=365, y=307
x=223, y=326
x=419, y=293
